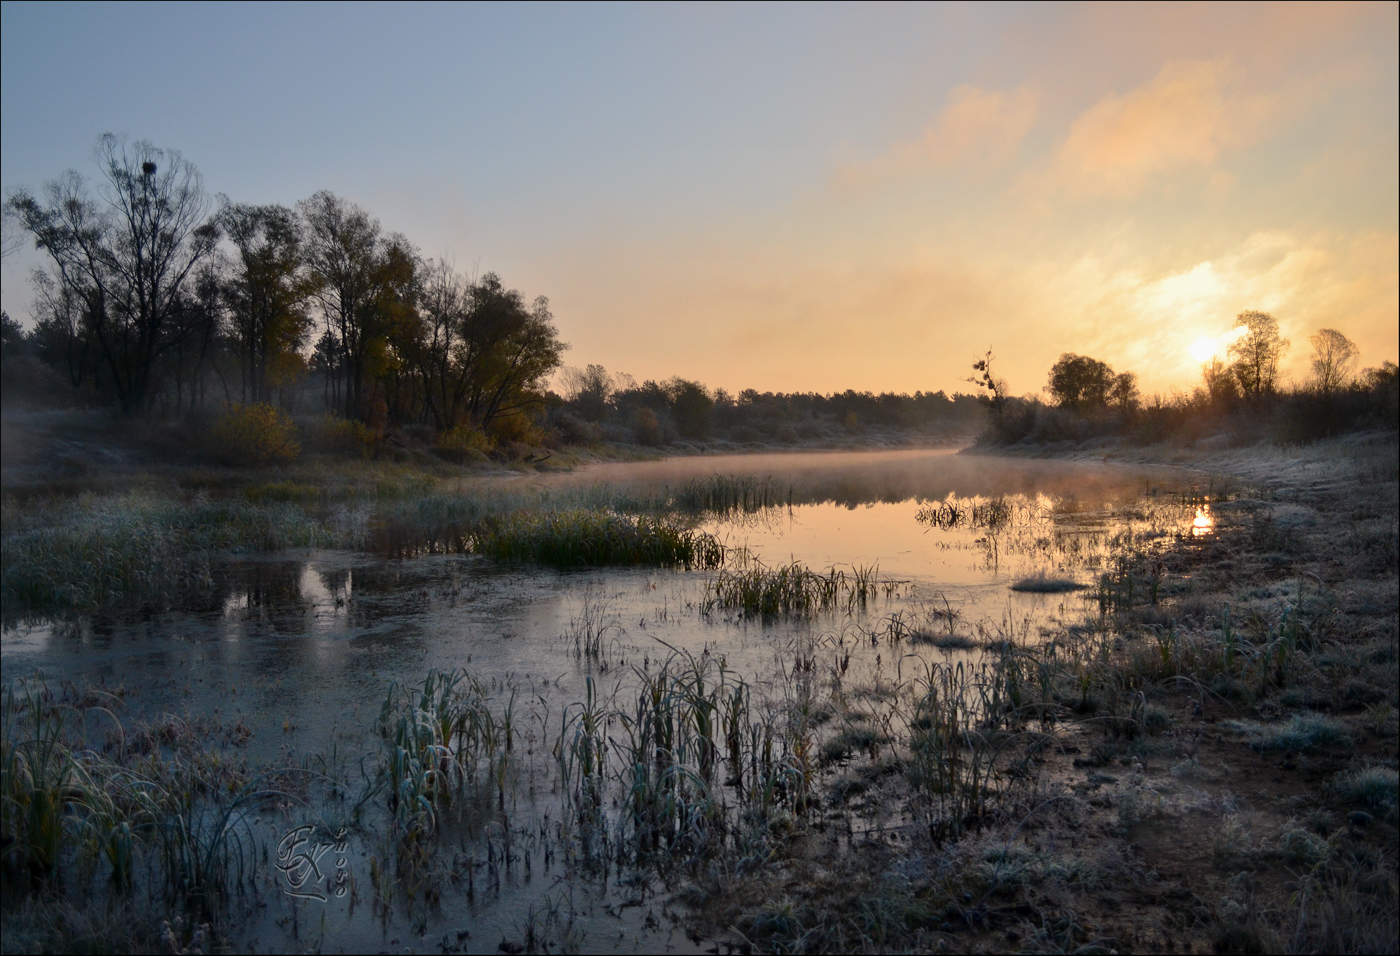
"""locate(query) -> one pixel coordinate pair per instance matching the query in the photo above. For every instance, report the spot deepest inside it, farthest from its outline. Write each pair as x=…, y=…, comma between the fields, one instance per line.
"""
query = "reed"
x=590, y=628
x=791, y=590
x=590, y=538
x=729, y=494
x=71, y=811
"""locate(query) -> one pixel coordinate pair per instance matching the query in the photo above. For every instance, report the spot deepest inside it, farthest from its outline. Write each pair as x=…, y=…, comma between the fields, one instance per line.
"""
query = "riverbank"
x=68, y=451
x=1212, y=769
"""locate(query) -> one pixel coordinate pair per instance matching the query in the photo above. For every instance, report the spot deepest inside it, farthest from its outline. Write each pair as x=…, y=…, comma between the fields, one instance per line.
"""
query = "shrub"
x=463, y=443
x=343, y=435
x=646, y=427
x=514, y=427
x=256, y=434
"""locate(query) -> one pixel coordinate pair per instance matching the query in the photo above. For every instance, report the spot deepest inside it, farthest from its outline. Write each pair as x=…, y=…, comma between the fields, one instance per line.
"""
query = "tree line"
x=158, y=298
x=598, y=405
x=1090, y=399
x=1081, y=382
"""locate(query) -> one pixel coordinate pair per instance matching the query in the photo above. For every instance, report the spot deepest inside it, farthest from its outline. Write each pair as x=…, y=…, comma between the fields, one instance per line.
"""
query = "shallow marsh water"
x=303, y=646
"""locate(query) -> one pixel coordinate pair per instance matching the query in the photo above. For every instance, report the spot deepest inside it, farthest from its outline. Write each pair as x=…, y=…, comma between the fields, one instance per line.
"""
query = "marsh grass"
x=1043, y=583
x=586, y=538
x=791, y=590
x=84, y=823
x=137, y=548
x=727, y=494
x=443, y=739
x=1300, y=733
x=590, y=628
x=991, y=514
x=155, y=550
x=957, y=740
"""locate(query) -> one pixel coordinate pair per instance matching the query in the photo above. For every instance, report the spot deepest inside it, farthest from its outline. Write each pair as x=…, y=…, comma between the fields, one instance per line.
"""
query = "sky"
x=789, y=197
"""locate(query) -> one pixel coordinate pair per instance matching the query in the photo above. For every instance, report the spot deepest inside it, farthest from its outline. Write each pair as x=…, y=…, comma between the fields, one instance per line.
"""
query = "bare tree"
x=126, y=255
x=1334, y=356
x=589, y=389
x=996, y=387
x=1256, y=353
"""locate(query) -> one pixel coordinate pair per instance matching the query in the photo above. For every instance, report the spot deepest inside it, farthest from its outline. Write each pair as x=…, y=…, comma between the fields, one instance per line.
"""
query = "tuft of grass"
x=1374, y=787
x=850, y=740
x=792, y=590
x=594, y=538
x=589, y=629
x=1042, y=583
x=947, y=641
x=1303, y=732
x=1300, y=845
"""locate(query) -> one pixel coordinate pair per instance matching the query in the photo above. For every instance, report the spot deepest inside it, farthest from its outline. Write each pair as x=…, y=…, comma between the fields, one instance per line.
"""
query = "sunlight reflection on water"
x=1204, y=523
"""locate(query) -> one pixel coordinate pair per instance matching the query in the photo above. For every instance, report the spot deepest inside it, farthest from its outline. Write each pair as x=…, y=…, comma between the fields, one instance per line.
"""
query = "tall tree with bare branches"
x=1257, y=352
x=1334, y=357
x=127, y=254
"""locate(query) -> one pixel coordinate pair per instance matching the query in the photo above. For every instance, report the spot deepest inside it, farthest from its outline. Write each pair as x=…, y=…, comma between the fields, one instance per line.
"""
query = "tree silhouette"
x=126, y=255
x=1077, y=381
x=996, y=387
x=1334, y=355
x=1123, y=393
x=588, y=389
x=266, y=292
x=1256, y=353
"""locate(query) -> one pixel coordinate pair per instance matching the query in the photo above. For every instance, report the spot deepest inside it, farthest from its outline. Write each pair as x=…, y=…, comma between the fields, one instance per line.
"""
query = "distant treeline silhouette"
x=1239, y=401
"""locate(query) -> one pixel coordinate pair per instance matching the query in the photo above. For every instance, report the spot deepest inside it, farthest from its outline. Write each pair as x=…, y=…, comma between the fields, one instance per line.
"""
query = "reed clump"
x=443, y=739
x=992, y=514
x=592, y=538
x=729, y=494
x=791, y=590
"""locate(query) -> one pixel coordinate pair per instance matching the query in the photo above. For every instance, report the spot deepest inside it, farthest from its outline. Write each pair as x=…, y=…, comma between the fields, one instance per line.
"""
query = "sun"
x=1204, y=348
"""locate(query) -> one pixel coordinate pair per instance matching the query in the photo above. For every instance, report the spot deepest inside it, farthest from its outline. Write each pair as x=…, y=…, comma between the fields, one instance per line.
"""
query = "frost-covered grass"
x=142, y=548
x=1373, y=787
x=1302, y=732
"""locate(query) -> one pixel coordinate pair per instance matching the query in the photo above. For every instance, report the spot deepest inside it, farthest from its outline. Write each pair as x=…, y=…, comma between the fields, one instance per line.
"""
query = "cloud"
x=975, y=127
x=1188, y=116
